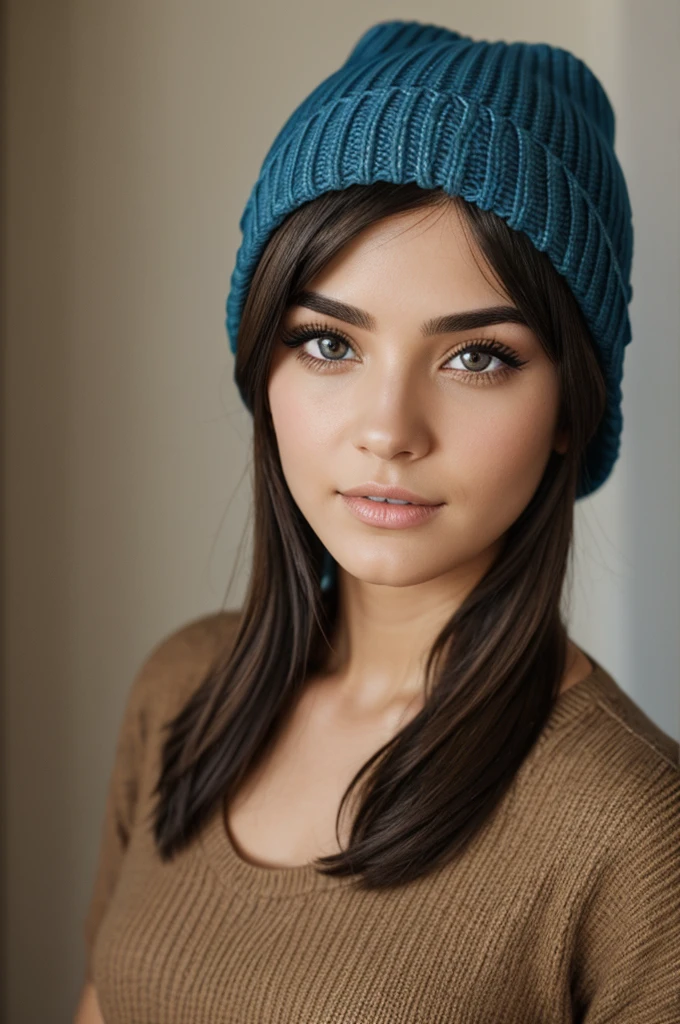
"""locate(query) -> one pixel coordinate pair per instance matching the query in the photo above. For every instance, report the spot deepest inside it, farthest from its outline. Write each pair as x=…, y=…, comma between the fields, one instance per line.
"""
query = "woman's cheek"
x=500, y=456
x=303, y=436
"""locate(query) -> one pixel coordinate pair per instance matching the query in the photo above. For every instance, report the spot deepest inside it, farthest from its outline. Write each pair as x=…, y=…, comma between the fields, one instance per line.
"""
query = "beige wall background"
x=134, y=132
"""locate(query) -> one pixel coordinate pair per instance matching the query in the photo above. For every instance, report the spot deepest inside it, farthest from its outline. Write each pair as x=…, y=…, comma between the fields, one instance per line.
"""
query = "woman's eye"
x=334, y=349
x=331, y=348
x=471, y=360
x=475, y=360
x=320, y=348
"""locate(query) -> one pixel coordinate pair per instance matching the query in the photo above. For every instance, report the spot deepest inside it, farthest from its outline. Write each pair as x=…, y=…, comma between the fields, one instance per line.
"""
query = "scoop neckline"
x=235, y=873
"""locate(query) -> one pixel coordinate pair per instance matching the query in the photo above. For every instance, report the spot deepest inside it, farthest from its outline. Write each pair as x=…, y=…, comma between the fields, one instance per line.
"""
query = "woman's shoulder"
x=179, y=661
x=611, y=770
x=625, y=728
x=197, y=641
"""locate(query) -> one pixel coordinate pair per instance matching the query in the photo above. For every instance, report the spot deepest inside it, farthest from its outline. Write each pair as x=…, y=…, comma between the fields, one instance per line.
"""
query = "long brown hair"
x=495, y=668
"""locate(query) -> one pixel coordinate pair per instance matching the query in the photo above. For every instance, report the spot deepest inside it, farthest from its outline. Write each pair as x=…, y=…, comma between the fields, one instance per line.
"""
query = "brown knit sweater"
x=565, y=908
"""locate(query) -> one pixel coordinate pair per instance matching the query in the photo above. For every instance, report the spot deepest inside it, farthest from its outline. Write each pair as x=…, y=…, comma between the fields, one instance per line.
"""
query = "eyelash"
x=313, y=331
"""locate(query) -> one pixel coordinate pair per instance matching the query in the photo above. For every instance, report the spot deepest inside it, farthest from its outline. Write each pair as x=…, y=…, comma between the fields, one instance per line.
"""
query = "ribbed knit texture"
x=565, y=908
x=523, y=129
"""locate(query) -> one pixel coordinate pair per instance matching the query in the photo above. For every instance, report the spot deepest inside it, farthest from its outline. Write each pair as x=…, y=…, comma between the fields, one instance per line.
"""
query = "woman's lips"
x=382, y=513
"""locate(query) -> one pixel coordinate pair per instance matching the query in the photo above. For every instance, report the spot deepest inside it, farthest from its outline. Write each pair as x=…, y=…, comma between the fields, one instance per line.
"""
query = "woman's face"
x=390, y=402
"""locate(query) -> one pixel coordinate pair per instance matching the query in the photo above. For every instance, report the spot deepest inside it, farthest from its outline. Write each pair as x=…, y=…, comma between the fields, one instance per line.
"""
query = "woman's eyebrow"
x=453, y=322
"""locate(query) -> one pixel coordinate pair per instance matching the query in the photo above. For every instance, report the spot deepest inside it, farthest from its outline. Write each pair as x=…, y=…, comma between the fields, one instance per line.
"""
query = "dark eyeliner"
x=296, y=336
x=493, y=347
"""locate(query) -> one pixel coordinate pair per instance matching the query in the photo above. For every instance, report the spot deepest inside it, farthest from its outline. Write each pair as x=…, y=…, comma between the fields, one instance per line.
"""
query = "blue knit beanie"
x=522, y=129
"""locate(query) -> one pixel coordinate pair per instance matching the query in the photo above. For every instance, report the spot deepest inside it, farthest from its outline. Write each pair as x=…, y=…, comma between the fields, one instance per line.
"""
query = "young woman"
x=391, y=787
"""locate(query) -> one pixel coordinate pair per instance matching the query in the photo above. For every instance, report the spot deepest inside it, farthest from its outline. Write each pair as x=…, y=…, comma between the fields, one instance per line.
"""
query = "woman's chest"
x=285, y=813
x=187, y=941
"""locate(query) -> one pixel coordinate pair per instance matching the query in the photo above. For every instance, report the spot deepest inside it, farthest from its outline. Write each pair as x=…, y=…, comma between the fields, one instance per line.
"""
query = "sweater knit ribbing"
x=565, y=907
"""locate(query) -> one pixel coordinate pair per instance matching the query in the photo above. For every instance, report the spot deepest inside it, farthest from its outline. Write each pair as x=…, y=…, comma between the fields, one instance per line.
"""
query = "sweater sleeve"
x=119, y=809
x=629, y=951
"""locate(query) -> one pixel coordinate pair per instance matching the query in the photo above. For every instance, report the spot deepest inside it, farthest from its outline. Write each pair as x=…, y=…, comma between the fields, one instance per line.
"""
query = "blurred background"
x=132, y=134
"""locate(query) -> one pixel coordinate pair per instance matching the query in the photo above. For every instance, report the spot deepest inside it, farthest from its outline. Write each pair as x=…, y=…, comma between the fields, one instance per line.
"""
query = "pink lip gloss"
x=382, y=513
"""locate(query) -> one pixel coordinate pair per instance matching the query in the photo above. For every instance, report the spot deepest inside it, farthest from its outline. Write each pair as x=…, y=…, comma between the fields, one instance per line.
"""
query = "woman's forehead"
x=430, y=267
